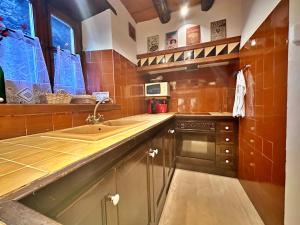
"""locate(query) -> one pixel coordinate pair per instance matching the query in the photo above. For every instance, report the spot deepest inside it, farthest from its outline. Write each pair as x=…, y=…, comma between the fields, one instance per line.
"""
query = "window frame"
x=72, y=33
x=42, y=12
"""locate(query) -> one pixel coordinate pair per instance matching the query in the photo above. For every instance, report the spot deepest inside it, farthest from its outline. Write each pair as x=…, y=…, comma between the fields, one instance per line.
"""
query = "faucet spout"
x=94, y=119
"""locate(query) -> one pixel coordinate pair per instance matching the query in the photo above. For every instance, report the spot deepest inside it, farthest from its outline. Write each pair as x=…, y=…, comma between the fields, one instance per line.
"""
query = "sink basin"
x=96, y=132
x=112, y=123
x=90, y=129
x=87, y=132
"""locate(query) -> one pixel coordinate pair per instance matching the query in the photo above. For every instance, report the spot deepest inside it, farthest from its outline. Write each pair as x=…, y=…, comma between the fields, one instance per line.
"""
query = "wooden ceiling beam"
x=162, y=9
x=206, y=4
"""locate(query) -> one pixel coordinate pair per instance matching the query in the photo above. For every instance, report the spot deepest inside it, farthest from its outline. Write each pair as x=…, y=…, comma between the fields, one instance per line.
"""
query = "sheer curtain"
x=68, y=72
x=25, y=71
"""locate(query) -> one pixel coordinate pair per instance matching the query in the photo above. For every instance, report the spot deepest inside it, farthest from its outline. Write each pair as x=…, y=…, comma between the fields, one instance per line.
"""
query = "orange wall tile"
x=209, y=89
x=263, y=131
x=12, y=126
x=107, y=70
x=17, y=123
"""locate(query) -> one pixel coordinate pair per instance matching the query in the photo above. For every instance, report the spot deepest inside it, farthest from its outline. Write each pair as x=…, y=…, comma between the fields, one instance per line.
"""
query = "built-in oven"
x=196, y=139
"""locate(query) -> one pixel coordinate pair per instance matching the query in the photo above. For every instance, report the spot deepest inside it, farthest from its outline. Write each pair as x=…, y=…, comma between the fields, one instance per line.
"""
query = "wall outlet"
x=100, y=96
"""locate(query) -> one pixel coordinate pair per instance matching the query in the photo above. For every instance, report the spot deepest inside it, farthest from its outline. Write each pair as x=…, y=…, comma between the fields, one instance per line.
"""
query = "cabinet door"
x=158, y=174
x=169, y=146
x=132, y=185
x=93, y=207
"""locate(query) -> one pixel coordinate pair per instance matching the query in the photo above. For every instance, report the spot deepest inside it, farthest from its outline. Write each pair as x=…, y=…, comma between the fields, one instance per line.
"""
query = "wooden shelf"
x=22, y=109
x=225, y=50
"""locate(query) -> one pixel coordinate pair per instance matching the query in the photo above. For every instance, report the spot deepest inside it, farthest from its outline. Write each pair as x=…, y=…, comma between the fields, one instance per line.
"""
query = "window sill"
x=23, y=109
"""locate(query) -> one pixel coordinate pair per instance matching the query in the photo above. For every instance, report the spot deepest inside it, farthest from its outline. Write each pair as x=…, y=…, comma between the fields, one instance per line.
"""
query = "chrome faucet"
x=97, y=118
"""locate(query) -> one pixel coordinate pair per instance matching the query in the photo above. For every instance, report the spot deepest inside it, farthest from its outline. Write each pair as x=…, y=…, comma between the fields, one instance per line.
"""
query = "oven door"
x=196, y=144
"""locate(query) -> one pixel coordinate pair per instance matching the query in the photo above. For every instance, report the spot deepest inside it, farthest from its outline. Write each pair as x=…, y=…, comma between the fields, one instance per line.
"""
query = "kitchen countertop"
x=25, y=160
x=29, y=159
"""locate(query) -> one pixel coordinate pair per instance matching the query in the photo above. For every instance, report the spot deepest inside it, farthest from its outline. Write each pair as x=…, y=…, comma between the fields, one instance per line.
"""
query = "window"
x=68, y=74
x=62, y=34
x=17, y=15
x=26, y=75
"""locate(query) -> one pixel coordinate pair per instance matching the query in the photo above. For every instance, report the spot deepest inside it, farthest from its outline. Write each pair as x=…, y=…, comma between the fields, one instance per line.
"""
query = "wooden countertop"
x=29, y=159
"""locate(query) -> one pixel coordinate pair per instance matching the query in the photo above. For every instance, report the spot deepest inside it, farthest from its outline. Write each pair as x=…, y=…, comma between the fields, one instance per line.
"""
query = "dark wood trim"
x=43, y=32
x=191, y=47
x=11, y=109
x=42, y=20
x=9, y=210
x=213, y=59
x=162, y=10
x=73, y=23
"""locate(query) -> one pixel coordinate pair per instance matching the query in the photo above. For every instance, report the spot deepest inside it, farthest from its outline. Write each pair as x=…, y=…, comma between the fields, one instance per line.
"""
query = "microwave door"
x=154, y=89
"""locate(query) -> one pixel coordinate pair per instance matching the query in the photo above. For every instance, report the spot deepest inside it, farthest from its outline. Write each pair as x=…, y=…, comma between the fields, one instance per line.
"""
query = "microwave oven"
x=161, y=89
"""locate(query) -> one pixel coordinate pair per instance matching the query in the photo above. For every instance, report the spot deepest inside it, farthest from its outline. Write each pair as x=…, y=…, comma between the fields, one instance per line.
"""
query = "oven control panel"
x=200, y=125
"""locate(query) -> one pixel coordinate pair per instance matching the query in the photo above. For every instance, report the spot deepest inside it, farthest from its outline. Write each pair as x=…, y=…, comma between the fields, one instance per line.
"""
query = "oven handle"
x=196, y=131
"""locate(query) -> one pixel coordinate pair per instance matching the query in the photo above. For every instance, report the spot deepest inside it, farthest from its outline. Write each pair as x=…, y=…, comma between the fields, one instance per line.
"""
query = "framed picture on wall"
x=153, y=43
x=171, y=40
x=131, y=31
x=193, y=35
x=218, y=30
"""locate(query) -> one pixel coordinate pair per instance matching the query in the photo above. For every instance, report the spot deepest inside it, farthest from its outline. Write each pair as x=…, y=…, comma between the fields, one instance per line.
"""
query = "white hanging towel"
x=240, y=92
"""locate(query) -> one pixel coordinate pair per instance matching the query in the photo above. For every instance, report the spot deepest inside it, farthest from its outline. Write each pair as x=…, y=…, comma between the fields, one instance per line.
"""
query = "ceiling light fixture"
x=184, y=10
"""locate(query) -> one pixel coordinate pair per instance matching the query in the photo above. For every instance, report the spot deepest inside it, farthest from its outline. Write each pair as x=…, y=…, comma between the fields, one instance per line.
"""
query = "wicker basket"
x=61, y=97
x=84, y=99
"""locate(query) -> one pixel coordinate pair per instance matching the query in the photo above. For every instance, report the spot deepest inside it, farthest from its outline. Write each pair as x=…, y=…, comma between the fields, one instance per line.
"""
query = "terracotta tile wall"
x=107, y=70
x=15, y=124
x=262, y=133
x=209, y=89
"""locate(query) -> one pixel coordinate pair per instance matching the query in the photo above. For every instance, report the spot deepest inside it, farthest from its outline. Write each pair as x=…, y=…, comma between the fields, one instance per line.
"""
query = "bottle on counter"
x=2, y=87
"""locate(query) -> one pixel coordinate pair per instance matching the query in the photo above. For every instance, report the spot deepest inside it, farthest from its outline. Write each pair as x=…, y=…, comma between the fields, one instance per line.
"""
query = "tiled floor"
x=203, y=199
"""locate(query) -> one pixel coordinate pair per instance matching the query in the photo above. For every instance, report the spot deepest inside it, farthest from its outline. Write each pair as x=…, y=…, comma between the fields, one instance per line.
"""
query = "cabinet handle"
x=227, y=161
x=227, y=139
x=226, y=127
x=114, y=199
x=227, y=151
x=153, y=152
x=171, y=131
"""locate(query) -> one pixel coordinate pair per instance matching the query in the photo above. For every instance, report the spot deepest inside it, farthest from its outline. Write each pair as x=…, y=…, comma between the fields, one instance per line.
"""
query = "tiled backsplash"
x=263, y=132
x=107, y=70
x=209, y=89
x=42, y=118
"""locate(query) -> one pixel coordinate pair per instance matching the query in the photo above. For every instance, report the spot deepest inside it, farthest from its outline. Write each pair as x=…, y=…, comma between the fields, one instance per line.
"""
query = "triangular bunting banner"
x=210, y=51
x=221, y=49
x=179, y=56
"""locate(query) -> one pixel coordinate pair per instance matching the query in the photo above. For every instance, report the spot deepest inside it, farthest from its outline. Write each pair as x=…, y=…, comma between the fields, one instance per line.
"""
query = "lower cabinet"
x=170, y=152
x=96, y=206
x=131, y=192
x=157, y=175
x=133, y=188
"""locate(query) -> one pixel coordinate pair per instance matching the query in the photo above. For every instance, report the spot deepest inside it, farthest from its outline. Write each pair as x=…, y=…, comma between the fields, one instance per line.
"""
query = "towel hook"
x=247, y=66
